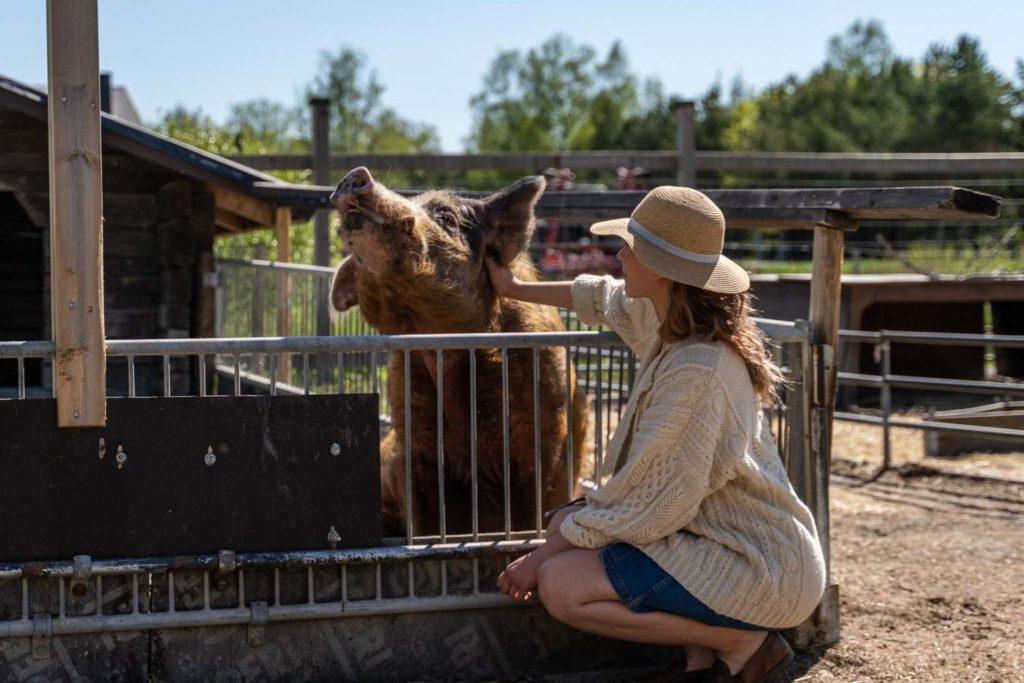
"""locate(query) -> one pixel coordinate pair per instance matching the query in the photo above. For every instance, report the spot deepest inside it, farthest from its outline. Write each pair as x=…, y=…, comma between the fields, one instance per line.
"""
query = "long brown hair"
x=727, y=318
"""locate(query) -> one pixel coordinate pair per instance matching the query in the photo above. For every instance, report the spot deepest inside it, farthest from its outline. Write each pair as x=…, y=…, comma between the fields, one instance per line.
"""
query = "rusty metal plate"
x=194, y=475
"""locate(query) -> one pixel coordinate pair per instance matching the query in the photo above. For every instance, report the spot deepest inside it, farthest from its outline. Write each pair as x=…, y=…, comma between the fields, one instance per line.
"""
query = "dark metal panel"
x=274, y=485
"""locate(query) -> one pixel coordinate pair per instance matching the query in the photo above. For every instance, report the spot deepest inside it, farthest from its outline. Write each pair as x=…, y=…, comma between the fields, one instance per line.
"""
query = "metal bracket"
x=822, y=379
x=42, y=630
x=258, y=623
x=81, y=572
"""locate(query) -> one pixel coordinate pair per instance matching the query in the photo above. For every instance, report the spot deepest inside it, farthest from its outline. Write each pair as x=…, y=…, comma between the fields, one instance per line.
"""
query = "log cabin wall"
x=157, y=225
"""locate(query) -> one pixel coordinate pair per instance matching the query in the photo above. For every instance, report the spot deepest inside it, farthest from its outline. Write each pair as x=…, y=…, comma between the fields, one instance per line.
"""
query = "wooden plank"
x=881, y=164
x=904, y=203
x=76, y=208
x=226, y=220
x=247, y=207
x=686, y=145
x=263, y=491
x=321, y=219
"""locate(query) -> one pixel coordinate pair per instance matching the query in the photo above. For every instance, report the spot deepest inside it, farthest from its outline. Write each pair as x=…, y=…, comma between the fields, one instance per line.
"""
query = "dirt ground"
x=930, y=563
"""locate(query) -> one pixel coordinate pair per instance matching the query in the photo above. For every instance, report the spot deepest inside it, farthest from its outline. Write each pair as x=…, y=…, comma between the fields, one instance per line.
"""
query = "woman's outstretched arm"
x=548, y=293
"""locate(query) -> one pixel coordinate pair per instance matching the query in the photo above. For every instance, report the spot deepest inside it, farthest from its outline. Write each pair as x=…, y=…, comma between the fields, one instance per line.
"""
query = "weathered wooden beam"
x=226, y=220
x=245, y=206
x=320, y=114
x=897, y=203
x=686, y=143
x=826, y=272
x=881, y=164
x=76, y=211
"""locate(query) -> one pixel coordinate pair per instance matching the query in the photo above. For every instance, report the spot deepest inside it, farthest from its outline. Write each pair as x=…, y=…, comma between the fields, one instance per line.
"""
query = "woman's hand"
x=520, y=576
x=502, y=279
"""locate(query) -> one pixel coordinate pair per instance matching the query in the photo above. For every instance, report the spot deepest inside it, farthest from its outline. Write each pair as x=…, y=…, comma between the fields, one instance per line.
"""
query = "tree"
x=359, y=120
x=555, y=96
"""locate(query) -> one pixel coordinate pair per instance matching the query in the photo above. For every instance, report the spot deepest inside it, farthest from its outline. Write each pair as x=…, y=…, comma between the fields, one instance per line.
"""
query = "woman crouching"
x=697, y=539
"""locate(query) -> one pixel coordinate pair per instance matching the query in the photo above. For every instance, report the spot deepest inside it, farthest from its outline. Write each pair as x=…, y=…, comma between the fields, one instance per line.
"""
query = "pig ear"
x=343, y=286
x=508, y=217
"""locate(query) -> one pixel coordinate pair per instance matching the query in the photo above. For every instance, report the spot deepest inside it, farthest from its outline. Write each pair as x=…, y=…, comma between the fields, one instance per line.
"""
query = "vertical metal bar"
x=305, y=373
x=408, y=446
x=21, y=378
x=474, y=479
x=539, y=512
x=309, y=585
x=377, y=592
x=374, y=386
x=238, y=377
x=273, y=373
x=131, y=376
x=99, y=594
x=202, y=374
x=506, y=474
x=167, y=374
x=599, y=401
x=277, y=586
x=24, y=598
x=439, y=357
x=341, y=372
x=412, y=579
x=568, y=421
x=344, y=585
x=61, y=609
x=886, y=348
x=135, y=594
x=170, y=591
x=241, y=588
x=206, y=591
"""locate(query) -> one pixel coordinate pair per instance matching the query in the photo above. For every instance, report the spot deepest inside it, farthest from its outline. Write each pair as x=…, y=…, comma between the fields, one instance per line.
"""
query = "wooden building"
x=163, y=204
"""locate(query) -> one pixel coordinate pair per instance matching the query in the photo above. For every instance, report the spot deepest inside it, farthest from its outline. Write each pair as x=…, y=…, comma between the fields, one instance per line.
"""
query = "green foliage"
x=864, y=97
x=359, y=120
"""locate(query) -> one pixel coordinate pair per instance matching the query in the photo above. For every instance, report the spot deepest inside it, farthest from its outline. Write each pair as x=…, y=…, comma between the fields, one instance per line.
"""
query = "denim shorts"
x=643, y=586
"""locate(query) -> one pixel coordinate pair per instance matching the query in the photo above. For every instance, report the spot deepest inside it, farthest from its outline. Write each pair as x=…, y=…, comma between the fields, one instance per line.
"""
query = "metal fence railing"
x=886, y=381
x=433, y=567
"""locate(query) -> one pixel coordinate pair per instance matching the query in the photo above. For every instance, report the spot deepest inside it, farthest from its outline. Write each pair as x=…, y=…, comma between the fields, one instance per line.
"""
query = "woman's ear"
x=508, y=220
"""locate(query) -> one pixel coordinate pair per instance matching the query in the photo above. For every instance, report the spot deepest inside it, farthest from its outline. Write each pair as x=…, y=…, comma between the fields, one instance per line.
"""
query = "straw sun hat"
x=678, y=233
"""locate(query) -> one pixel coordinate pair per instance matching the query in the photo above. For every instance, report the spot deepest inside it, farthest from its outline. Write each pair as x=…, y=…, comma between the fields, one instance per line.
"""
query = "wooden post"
x=76, y=213
x=686, y=136
x=258, y=303
x=320, y=114
x=826, y=270
x=283, y=228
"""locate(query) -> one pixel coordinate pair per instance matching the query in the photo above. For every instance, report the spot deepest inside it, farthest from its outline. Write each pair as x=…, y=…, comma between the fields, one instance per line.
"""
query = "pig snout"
x=356, y=182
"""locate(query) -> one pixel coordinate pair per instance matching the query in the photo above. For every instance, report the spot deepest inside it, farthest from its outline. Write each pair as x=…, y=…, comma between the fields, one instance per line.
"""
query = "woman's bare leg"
x=575, y=589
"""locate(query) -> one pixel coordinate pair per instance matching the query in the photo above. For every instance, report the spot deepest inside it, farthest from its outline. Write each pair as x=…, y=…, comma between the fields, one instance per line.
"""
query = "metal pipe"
x=439, y=359
x=927, y=425
x=242, y=615
x=539, y=504
x=408, y=447
x=474, y=475
x=506, y=465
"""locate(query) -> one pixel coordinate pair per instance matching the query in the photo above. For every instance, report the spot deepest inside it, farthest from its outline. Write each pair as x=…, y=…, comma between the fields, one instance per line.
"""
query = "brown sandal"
x=767, y=664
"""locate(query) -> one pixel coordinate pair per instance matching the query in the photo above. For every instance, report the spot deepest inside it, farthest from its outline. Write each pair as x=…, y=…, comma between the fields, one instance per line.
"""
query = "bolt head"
x=335, y=449
x=78, y=589
x=76, y=414
x=210, y=459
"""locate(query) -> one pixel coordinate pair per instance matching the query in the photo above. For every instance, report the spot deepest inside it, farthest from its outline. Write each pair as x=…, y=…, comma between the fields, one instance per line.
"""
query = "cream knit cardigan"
x=698, y=484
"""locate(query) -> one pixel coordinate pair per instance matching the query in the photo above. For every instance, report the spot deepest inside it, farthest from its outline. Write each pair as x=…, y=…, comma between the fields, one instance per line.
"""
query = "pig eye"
x=447, y=219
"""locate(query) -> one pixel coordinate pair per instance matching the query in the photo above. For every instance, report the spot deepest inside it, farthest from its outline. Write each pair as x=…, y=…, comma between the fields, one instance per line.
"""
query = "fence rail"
x=424, y=570
x=927, y=163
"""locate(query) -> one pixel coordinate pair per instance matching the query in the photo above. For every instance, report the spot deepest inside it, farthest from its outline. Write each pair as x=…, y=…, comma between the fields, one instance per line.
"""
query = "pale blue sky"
x=431, y=55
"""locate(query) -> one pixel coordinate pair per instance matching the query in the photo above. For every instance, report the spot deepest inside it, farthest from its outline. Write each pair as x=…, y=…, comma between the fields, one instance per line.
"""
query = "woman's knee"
x=552, y=589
